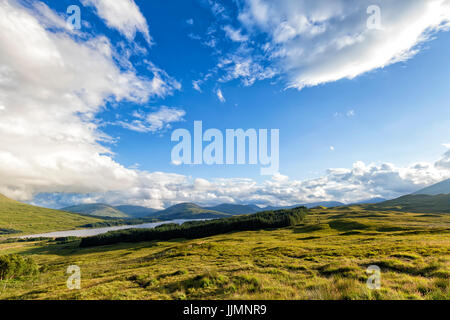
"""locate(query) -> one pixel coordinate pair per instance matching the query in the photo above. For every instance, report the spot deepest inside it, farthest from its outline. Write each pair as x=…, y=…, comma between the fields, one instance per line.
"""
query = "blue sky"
x=361, y=113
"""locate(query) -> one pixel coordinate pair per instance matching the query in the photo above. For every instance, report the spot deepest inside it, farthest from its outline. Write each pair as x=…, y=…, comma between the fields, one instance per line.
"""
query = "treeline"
x=119, y=222
x=8, y=231
x=201, y=229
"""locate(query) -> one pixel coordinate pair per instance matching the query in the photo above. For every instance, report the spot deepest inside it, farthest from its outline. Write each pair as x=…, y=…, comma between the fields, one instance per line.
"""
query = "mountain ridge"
x=418, y=203
x=97, y=210
x=442, y=187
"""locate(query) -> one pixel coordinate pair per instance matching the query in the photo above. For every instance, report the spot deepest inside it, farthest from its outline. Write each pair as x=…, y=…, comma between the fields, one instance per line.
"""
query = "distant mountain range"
x=181, y=211
x=194, y=211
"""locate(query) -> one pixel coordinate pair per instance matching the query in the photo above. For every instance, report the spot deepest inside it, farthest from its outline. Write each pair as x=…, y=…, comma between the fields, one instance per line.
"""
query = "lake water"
x=83, y=233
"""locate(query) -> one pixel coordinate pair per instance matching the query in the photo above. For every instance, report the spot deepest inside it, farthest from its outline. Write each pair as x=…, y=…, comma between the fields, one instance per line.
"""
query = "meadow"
x=324, y=257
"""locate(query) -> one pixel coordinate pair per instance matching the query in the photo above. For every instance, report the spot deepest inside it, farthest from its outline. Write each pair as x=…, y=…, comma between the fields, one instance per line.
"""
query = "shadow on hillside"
x=72, y=248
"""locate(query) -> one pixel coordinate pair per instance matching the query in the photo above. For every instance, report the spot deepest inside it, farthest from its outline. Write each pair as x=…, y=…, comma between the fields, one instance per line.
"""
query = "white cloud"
x=155, y=121
x=194, y=36
x=315, y=42
x=241, y=65
x=122, y=15
x=190, y=22
x=212, y=43
x=332, y=148
x=444, y=162
x=220, y=96
x=351, y=113
x=196, y=85
x=218, y=9
x=52, y=86
x=235, y=35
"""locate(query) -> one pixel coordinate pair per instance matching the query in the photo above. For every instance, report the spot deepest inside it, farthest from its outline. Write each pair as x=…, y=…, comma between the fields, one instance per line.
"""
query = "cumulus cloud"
x=315, y=42
x=154, y=121
x=122, y=15
x=51, y=88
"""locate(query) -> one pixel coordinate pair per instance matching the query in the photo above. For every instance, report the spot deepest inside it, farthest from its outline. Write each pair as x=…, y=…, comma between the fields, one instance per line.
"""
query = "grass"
x=325, y=257
x=19, y=218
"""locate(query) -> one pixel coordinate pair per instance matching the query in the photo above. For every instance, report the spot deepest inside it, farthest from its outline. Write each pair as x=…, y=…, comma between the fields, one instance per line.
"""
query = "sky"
x=92, y=90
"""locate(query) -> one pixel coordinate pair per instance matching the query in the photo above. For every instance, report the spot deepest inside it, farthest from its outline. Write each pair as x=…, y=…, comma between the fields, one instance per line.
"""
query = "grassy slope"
x=32, y=220
x=325, y=258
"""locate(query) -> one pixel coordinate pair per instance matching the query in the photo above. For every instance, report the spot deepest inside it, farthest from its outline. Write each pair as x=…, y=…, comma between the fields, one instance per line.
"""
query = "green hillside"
x=189, y=211
x=19, y=218
x=417, y=203
x=98, y=210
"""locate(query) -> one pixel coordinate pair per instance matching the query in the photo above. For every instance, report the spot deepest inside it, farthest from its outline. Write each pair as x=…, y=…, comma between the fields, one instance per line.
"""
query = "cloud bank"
x=52, y=85
x=361, y=182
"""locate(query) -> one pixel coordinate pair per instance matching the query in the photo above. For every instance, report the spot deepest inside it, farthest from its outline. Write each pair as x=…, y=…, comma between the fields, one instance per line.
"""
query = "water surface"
x=83, y=233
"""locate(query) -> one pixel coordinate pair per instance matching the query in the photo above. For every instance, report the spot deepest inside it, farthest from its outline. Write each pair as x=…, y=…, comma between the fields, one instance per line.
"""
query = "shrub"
x=14, y=266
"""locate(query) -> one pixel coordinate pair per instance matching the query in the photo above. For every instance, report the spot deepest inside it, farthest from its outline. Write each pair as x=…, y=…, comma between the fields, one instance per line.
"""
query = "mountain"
x=17, y=217
x=136, y=211
x=235, y=208
x=97, y=210
x=420, y=203
x=189, y=211
x=442, y=187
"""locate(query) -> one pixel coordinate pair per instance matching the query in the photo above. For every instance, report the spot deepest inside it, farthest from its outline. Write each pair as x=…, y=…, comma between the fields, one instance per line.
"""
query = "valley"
x=324, y=257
